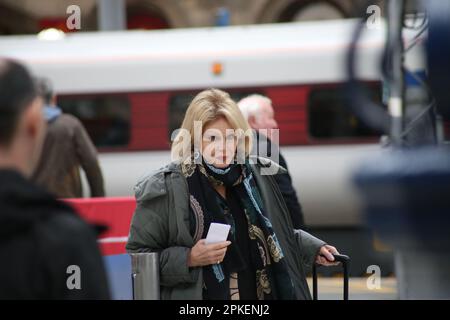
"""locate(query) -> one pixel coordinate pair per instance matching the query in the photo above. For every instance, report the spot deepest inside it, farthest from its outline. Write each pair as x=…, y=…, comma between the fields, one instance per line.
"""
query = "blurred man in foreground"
x=67, y=146
x=46, y=250
x=258, y=111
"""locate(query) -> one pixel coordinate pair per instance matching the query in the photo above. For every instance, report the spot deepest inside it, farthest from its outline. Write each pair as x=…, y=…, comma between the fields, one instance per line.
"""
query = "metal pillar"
x=145, y=276
x=396, y=81
x=111, y=15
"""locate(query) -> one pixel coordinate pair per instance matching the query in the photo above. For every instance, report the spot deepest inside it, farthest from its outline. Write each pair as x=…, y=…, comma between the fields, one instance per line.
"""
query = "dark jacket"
x=67, y=146
x=161, y=224
x=40, y=238
x=284, y=181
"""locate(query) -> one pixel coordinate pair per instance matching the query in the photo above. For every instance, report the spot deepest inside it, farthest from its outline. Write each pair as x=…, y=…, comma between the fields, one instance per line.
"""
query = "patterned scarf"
x=207, y=206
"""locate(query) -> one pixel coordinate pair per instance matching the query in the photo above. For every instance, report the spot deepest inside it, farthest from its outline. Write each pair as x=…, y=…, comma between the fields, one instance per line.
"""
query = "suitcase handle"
x=345, y=260
x=341, y=258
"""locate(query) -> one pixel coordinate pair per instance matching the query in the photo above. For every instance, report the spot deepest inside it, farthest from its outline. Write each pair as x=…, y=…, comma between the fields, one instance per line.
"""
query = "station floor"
x=332, y=289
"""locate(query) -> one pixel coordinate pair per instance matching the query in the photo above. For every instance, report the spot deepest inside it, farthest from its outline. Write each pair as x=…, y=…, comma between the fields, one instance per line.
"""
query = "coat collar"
x=153, y=185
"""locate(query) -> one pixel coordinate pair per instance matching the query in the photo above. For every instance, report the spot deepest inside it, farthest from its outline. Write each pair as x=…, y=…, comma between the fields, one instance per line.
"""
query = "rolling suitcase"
x=345, y=260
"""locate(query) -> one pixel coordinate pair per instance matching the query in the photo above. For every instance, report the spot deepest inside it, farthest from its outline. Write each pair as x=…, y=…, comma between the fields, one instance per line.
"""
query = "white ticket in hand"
x=217, y=232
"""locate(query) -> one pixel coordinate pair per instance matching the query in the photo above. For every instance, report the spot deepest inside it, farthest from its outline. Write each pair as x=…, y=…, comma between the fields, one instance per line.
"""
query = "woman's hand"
x=325, y=256
x=203, y=254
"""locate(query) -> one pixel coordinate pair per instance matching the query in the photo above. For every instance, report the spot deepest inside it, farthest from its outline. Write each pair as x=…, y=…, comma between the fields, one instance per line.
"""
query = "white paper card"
x=217, y=232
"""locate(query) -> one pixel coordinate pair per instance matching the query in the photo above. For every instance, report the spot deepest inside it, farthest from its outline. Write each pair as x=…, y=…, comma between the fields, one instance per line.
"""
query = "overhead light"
x=51, y=34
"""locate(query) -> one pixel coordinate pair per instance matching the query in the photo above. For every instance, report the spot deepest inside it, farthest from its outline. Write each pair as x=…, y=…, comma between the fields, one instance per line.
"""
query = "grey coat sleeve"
x=309, y=247
x=148, y=233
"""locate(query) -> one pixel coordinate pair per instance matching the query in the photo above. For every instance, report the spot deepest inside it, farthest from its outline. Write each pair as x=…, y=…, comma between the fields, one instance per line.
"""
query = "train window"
x=178, y=104
x=330, y=119
x=177, y=108
x=106, y=118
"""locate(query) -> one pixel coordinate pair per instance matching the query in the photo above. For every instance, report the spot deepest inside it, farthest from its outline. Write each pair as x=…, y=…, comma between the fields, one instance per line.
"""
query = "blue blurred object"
x=415, y=79
x=118, y=270
x=407, y=197
x=407, y=203
x=223, y=17
x=438, y=53
x=412, y=80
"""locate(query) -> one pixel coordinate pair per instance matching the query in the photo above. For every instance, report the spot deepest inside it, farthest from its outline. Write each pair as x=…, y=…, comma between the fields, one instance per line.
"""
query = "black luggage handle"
x=345, y=260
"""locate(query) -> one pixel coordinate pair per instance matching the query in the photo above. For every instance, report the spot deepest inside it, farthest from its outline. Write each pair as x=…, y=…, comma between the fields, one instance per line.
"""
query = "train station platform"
x=331, y=289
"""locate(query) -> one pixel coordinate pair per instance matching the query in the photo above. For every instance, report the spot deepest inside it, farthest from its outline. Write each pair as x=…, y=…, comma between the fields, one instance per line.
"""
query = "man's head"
x=22, y=127
x=258, y=111
x=45, y=90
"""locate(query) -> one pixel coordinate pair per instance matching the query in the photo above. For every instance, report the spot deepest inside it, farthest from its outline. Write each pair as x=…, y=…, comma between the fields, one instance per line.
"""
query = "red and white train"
x=131, y=89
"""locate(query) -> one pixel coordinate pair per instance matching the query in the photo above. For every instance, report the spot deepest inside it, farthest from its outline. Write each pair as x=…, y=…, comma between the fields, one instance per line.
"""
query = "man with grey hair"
x=258, y=111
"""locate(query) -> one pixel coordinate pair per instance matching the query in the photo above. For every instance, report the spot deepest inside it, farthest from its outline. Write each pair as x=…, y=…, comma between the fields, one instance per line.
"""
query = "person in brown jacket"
x=67, y=146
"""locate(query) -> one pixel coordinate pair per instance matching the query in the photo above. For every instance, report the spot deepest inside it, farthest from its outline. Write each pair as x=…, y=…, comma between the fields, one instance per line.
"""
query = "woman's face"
x=219, y=143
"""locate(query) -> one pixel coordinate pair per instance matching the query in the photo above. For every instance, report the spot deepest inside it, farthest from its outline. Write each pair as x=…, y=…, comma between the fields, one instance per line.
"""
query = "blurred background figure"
x=41, y=239
x=223, y=17
x=67, y=146
x=258, y=111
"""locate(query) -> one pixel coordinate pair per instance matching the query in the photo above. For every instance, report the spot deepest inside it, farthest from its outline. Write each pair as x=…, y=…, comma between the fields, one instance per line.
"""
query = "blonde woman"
x=212, y=179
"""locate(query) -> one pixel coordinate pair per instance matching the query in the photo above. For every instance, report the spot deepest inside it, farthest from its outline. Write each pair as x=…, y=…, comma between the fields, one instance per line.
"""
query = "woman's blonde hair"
x=209, y=105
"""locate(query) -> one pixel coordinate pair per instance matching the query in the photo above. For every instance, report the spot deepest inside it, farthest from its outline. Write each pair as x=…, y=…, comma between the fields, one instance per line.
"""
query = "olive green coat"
x=161, y=224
